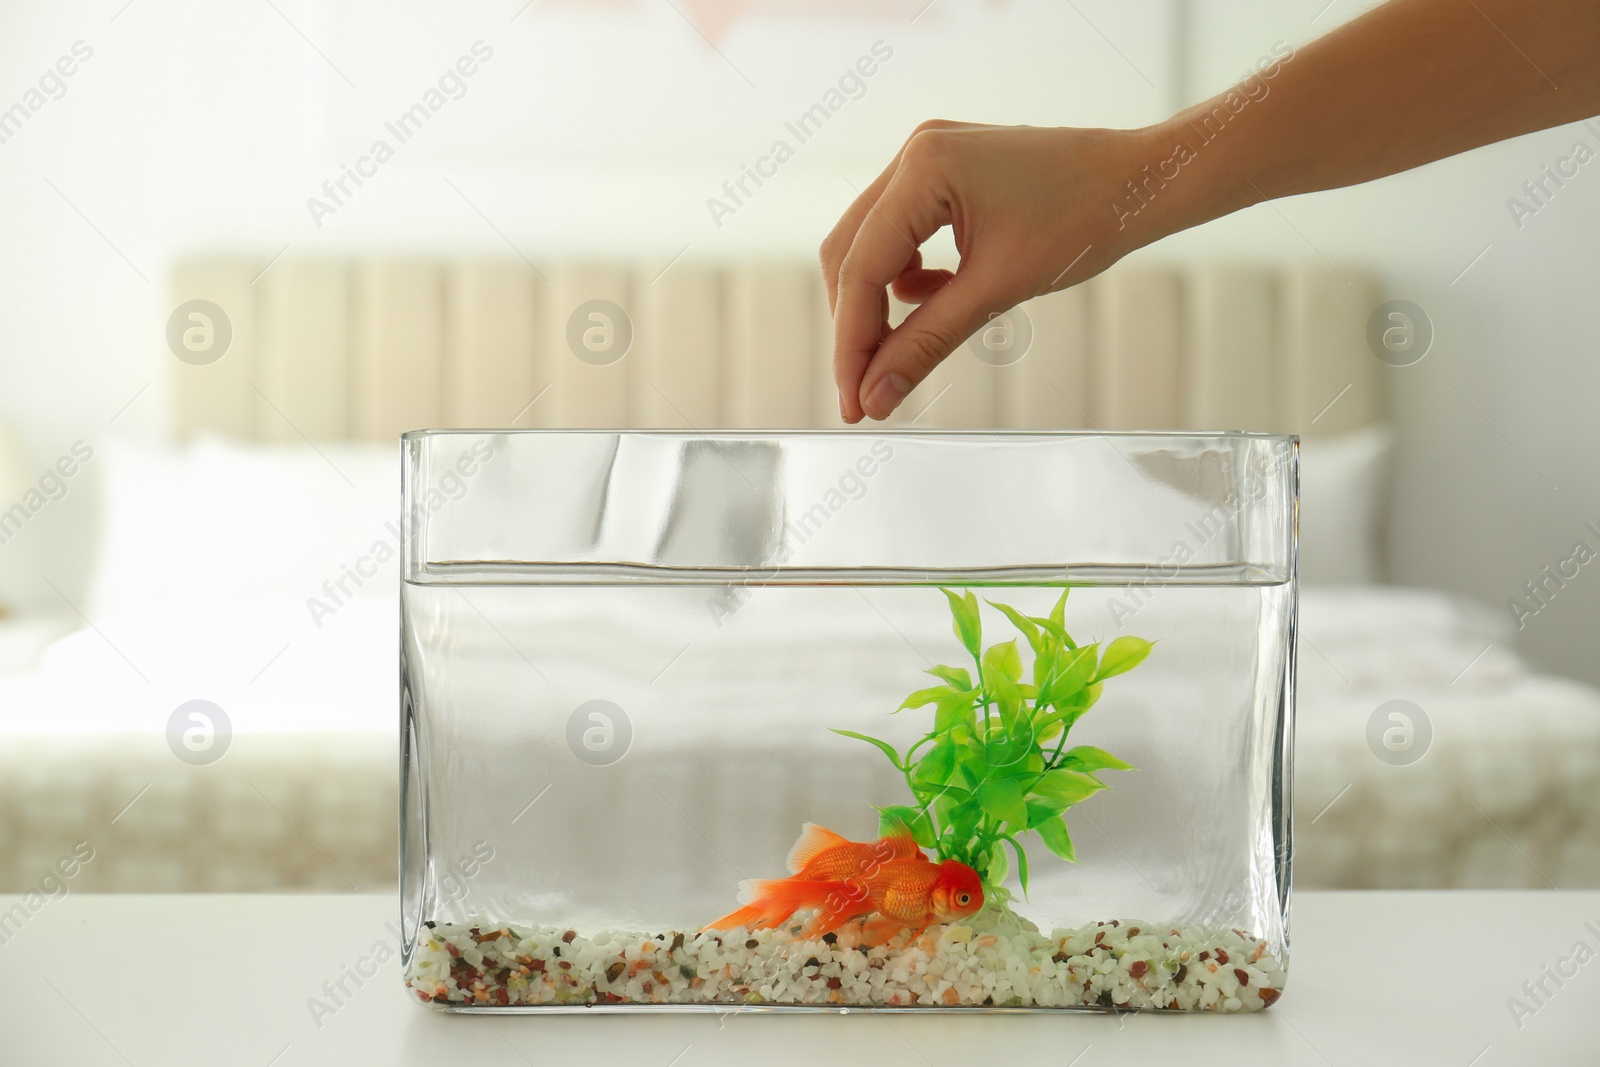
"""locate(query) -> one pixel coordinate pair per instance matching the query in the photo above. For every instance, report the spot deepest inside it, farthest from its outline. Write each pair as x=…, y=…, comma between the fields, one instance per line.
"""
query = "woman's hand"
x=1033, y=209
x=1036, y=210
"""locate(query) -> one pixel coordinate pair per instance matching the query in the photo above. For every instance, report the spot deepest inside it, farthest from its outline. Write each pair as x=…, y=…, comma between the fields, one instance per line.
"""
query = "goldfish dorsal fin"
x=813, y=840
x=897, y=843
x=901, y=846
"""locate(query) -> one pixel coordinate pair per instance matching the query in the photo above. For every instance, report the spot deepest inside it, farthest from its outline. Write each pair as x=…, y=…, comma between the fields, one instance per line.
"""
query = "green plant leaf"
x=955, y=711
x=1044, y=664
x=968, y=627
x=1008, y=702
x=1002, y=661
x=924, y=697
x=957, y=810
x=969, y=774
x=895, y=817
x=1051, y=627
x=1073, y=671
x=1002, y=798
x=1022, y=863
x=995, y=867
x=1058, y=614
x=1068, y=786
x=937, y=766
x=1043, y=810
x=1072, y=710
x=1029, y=629
x=956, y=676
x=882, y=746
x=1088, y=759
x=1123, y=655
x=1056, y=838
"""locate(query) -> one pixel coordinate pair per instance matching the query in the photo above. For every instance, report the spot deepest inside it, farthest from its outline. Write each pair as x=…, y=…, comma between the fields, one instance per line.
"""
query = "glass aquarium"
x=886, y=720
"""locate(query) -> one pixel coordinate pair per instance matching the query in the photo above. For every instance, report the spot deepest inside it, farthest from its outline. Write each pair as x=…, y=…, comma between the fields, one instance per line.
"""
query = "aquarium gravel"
x=1113, y=965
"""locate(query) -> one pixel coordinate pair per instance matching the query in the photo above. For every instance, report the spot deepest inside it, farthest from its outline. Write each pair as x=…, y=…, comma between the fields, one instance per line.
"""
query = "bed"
x=229, y=566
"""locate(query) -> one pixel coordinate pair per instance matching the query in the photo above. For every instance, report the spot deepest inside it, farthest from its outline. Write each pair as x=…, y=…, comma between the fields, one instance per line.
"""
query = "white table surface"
x=1375, y=978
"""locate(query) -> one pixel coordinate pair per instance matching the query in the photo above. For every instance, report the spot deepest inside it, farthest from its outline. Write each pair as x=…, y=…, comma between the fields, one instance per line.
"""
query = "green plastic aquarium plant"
x=996, y=764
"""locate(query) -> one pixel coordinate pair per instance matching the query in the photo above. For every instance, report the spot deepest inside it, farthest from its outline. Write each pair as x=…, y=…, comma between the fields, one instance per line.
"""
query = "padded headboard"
x=331, y=350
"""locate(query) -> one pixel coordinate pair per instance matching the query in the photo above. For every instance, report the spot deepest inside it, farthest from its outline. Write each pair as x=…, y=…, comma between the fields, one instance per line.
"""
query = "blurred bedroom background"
x=177, y=526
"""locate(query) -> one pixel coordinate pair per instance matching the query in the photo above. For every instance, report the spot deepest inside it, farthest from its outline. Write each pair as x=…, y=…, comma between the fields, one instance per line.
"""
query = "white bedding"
x=203, y=594
x=1508, y=794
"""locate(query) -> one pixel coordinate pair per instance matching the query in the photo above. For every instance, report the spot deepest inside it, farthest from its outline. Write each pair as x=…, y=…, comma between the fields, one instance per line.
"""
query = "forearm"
x=1407, y=83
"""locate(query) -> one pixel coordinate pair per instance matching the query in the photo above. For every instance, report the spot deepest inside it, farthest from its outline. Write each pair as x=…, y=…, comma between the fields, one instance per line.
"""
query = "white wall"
x=603, y=129
x=594, y=129
x=1505, y=399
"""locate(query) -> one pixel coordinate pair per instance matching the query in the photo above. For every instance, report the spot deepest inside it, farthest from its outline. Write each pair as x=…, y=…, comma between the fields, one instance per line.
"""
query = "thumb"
x=930, y=333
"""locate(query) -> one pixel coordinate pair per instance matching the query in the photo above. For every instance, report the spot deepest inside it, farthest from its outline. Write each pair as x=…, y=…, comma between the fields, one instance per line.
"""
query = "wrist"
x=1173, y=179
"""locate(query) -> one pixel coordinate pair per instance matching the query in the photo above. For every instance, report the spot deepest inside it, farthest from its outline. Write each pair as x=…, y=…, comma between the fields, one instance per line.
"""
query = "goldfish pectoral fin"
x=880, y=931
x=813, y=840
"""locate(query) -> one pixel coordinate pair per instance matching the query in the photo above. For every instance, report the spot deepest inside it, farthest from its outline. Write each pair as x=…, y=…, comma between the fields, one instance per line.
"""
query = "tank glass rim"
x=887, y=431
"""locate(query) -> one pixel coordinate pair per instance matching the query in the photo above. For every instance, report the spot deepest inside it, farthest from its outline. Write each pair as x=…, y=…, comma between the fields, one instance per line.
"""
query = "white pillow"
x=220, y=521
x=1343, y=493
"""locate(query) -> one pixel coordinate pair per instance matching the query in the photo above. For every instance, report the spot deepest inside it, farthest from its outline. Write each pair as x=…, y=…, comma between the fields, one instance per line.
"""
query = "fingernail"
x=887, y=394
x=843, y=414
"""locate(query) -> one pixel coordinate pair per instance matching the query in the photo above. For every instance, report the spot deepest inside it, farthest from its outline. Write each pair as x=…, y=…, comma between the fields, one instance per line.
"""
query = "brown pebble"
x=752, y=943
x=1115, y=923
x=565, y=965
x=1059, y=957
x=876, y=963
x=1268, y=995
x=1138, y=969
x=677, y=943
x=1183, y=972
x=614, y=971
x=1206, y=955
x=812, y=962
x=1099, y=937
x=1239, y=973
x=830, y=939
x=536, y=965
x=568, y=937
x=834, y=982
x=1222, y=956
x=1133, y=931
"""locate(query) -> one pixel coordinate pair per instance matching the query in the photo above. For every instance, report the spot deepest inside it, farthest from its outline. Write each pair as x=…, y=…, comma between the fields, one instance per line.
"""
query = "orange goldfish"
x=913, y=894
x=819, y=861
x=845, y=880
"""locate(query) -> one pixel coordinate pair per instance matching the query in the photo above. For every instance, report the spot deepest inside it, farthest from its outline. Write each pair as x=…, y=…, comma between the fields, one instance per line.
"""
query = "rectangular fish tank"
x=847, y=720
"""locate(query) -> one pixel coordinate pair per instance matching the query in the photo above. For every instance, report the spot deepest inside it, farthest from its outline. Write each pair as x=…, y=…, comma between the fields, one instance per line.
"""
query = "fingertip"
x=880, y=398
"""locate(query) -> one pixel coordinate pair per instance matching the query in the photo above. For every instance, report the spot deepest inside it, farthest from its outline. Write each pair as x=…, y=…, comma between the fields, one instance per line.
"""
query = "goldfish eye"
x=964, y=899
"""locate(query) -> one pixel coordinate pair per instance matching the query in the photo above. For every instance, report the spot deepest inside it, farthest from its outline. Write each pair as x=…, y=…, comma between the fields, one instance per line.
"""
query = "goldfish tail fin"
x=813, y=840
x=772, y=902
x=743, y=917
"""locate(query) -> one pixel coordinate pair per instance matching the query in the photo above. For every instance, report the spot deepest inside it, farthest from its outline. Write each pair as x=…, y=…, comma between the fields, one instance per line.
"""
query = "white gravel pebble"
x=1118, y=965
